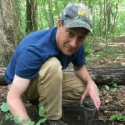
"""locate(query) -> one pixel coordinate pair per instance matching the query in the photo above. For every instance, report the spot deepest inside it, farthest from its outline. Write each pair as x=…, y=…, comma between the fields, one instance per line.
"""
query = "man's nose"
x=73, y=43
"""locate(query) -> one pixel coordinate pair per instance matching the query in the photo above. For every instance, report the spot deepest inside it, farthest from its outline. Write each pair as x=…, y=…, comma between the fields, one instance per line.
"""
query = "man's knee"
x=73, y=88
x=52, y=65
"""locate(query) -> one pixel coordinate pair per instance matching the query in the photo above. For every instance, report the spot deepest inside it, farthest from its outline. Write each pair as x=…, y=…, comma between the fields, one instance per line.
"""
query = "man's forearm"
x=17, y=108
x=91, y=87
x=83, y=74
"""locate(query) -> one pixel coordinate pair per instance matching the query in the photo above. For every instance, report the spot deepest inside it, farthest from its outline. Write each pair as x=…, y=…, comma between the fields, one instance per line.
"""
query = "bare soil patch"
x=112, y=103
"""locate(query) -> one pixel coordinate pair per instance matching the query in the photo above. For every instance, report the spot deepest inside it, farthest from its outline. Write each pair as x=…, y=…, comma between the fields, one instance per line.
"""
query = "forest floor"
x=100, y=53
x=109, y=53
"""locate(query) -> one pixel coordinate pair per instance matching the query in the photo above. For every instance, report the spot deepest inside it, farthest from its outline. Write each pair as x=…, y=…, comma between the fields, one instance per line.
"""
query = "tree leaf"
x=42, y=120
x=16, y=119
x=107, y=87
x=115, y=85
x=4, y=107
x=8, y=116
x=31, y=123
x=37, y=123
x=41, y=111
x=113, y=90
x=113, y=117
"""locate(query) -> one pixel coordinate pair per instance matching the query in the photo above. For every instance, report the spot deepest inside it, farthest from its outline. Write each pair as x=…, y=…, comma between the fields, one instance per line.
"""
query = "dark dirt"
x=112, y=103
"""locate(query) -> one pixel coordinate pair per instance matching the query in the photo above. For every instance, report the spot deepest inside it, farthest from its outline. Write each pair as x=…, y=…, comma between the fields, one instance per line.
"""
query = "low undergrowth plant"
x=8, y=116
x=112, y=88
x=120, y=118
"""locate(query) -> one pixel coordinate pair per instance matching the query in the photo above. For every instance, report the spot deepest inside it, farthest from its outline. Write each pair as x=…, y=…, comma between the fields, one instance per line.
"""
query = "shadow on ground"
x=71, y=115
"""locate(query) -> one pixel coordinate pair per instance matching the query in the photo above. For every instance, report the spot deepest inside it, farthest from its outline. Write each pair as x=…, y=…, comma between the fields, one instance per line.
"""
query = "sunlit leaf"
x=115, y=85
x=37, y=123
x=113, y=90
x=4, y=107
x=16, y=119
x=8, y=116
x=107, y=87
x=41, y=111
x=42, y=120
x=31, y=123
x=113, y=117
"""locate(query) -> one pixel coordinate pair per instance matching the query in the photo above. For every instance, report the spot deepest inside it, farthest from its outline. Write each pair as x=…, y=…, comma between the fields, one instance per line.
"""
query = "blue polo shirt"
x=34, y=50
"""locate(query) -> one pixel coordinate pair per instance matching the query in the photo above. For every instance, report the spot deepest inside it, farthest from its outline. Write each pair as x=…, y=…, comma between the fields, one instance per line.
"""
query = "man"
x=35, y=69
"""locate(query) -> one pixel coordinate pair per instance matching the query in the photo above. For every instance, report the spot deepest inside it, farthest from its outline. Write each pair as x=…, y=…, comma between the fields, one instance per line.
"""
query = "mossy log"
x=102, y=75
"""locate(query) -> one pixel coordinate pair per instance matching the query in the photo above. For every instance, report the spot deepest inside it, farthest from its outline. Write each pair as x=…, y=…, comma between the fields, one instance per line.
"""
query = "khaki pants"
x=53, y=87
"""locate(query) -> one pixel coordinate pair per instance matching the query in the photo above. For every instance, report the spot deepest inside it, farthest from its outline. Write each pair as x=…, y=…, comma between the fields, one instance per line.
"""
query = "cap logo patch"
x=83, y=12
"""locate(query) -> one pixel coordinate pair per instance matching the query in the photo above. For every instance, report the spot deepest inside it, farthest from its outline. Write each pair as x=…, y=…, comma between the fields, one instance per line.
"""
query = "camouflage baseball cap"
x=77, y=15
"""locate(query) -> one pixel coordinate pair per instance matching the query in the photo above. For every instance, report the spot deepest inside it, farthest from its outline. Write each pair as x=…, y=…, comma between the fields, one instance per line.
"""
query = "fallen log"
x=108, y=74
x=2, y=76
x=102, y=75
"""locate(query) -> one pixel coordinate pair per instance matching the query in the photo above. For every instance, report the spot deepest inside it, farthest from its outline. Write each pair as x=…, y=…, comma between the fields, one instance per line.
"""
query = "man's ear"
x=59, y=23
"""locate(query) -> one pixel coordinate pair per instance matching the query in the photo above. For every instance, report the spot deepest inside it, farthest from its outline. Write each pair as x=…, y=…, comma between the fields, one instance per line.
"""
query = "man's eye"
x=70, y=34
x=80, y=39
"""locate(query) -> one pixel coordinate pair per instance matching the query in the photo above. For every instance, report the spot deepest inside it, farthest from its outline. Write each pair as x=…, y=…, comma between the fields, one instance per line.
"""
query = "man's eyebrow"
x=82, y=35
x=73, y=29
x=84, y=31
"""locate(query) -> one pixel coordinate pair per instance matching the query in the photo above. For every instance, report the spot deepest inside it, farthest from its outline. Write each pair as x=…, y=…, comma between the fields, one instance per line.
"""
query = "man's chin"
x=68, y=53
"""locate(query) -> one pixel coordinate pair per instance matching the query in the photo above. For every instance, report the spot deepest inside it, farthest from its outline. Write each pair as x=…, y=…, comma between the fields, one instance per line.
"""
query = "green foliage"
x=117, y=117
x=20, y=6
x=112, y=88
x=41, y=111
x=4, y=107
x=107, y=87
x=87, y=50
x=8, y=116
x=57, y=6
x=101, y=21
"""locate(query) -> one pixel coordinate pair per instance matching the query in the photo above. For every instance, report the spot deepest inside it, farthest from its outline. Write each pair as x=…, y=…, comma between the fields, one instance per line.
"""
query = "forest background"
x=32, y=15
x=105, y=47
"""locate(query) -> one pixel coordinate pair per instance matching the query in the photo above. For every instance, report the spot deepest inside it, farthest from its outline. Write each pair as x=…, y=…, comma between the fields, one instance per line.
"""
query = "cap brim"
x=77, y=23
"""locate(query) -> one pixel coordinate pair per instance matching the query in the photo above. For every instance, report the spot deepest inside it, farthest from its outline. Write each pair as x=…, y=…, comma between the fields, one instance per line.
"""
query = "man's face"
x=70, y=39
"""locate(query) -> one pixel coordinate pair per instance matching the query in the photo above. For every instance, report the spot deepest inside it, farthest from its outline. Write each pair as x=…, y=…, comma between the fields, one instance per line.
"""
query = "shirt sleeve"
x=29, y=61
x=78, y=58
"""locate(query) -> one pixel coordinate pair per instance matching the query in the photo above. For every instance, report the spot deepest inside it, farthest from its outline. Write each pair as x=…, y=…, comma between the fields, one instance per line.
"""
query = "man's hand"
x=14, y=95
x=92, y=91
x=91, y=88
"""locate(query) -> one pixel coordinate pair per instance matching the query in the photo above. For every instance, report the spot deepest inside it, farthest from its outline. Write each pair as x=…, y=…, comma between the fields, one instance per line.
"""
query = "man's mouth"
x=69, y=49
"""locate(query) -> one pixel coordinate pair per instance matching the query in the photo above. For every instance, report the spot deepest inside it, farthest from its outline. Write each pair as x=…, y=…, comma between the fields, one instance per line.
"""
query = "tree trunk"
x=100, y=19
x=10, y=32
x=114, y=15
x=31, y=16
x=2, y=79
x=51, y=20
x=102, y=75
